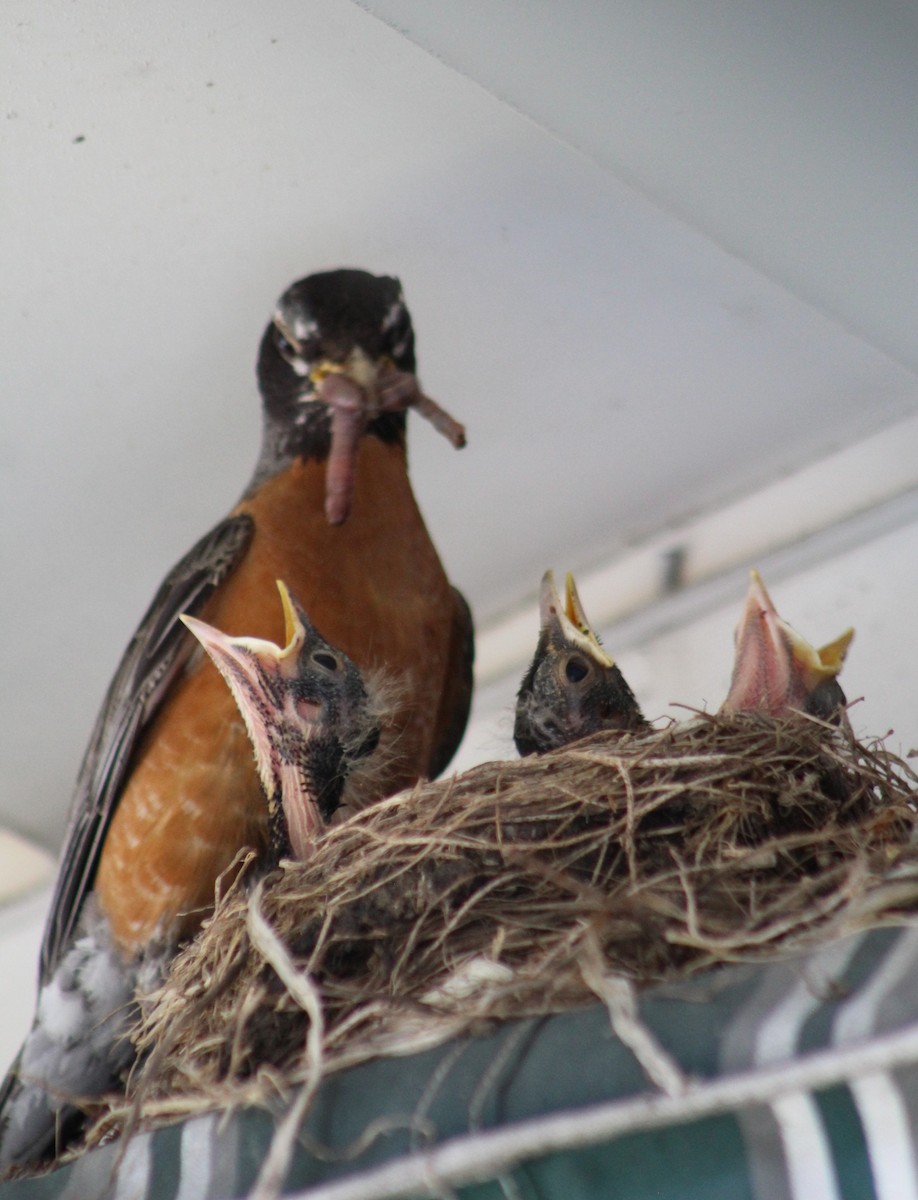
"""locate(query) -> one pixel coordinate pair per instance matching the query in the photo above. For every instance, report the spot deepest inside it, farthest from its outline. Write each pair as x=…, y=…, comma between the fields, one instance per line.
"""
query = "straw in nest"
x=495, y=893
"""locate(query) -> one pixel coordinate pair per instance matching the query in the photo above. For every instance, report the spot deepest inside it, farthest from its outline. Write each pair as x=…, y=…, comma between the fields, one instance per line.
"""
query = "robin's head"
x=308, y=715
x=336, y=363
x=346, y=321
x=776, y=670
x=572, y=688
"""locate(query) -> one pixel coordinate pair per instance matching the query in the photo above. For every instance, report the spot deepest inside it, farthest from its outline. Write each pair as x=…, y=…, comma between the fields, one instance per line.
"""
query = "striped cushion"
x=792, y=1081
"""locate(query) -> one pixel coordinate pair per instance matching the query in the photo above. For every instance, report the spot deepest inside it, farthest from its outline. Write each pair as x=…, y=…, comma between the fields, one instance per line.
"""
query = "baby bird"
x=775, y=670
x=308, y=715
x=572, y=688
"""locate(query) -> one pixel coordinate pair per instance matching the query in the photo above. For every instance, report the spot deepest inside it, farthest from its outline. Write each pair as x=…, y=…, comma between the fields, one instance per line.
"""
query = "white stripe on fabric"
x=196, y=1158
x=889, y=1138
x=472, y=1158
x=765, y=1033
x=808, y=1168
x=857, y=1017
x=135, y=1168
x=779, y=1030
x=811, y=1172
x=786, y=992
x=877, y=1097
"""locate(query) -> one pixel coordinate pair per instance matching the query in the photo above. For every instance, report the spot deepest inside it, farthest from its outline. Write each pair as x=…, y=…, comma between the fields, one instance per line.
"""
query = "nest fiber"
x=499, y=893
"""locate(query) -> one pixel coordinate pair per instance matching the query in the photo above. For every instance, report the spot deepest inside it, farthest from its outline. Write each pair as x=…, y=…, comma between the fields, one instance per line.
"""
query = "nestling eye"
x=576, y=669
x=283, y=344
x=323, y=659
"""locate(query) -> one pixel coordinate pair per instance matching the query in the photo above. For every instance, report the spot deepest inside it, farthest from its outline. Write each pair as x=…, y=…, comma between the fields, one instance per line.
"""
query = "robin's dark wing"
x=154, y=657
x=457, y=691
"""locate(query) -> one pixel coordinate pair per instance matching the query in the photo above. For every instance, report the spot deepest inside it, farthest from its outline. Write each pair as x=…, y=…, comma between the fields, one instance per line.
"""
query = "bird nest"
x=514, y=889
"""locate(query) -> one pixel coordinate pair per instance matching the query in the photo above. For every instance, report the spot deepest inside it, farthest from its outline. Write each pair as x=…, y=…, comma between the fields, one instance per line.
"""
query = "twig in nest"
x=276, y=1165
x=464, y=902
x=620, y=998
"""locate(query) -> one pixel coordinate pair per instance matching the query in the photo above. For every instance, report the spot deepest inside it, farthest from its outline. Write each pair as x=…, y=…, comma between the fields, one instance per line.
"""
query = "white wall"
x=862, y=573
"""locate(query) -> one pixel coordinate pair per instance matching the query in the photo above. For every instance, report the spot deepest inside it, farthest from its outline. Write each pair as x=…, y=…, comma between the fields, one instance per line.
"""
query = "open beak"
x=567, y=622
x=253, y=669
x=775, y=668
x=246, y=661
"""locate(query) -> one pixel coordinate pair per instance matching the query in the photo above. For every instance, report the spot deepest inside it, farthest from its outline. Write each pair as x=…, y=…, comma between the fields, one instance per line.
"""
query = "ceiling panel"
x=620, y=364
x=785, y=131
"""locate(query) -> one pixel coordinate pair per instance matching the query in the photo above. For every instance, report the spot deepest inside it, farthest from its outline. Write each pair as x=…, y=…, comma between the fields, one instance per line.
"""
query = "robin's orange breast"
x=373, y=586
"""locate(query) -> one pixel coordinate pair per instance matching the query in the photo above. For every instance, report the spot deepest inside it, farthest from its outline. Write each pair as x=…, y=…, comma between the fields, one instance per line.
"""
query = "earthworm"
x=351, y=407
x=348, y=404
x=400, y=389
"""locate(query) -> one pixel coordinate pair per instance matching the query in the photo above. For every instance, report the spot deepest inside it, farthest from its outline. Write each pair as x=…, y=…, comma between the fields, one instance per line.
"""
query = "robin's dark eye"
x=576, y=669
x=322, y=659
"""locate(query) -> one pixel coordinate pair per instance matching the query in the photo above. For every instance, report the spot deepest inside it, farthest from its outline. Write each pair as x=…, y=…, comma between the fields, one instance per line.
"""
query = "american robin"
x=309, y=716
x=168, y=791
x=572, y=688
x=776, y=670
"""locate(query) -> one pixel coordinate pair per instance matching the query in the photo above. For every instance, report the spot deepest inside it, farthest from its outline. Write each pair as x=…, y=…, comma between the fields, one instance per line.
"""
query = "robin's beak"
x=358, y=367
x=567, y=622
x=358, y=389
x=775, y=668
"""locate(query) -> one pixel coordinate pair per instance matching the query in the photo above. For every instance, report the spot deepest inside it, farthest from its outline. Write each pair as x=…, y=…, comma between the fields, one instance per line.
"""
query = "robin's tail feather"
x=76, y=1049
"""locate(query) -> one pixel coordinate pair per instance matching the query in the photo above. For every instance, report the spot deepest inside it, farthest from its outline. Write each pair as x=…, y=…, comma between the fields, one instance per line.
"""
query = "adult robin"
x=168, y=791
x=310, y=717
x=776, y=670
x=573, y=687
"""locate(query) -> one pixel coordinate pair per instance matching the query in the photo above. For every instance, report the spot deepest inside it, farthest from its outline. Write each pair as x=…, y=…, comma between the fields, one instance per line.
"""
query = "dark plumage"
x=168, y=793
x=572, y=688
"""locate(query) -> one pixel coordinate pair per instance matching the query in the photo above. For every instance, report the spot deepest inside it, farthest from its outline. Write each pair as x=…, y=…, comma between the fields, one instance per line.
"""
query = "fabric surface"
x=792, y=1081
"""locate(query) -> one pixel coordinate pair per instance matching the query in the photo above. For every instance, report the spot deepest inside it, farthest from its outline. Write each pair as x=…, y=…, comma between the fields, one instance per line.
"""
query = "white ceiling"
x=657, y=255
